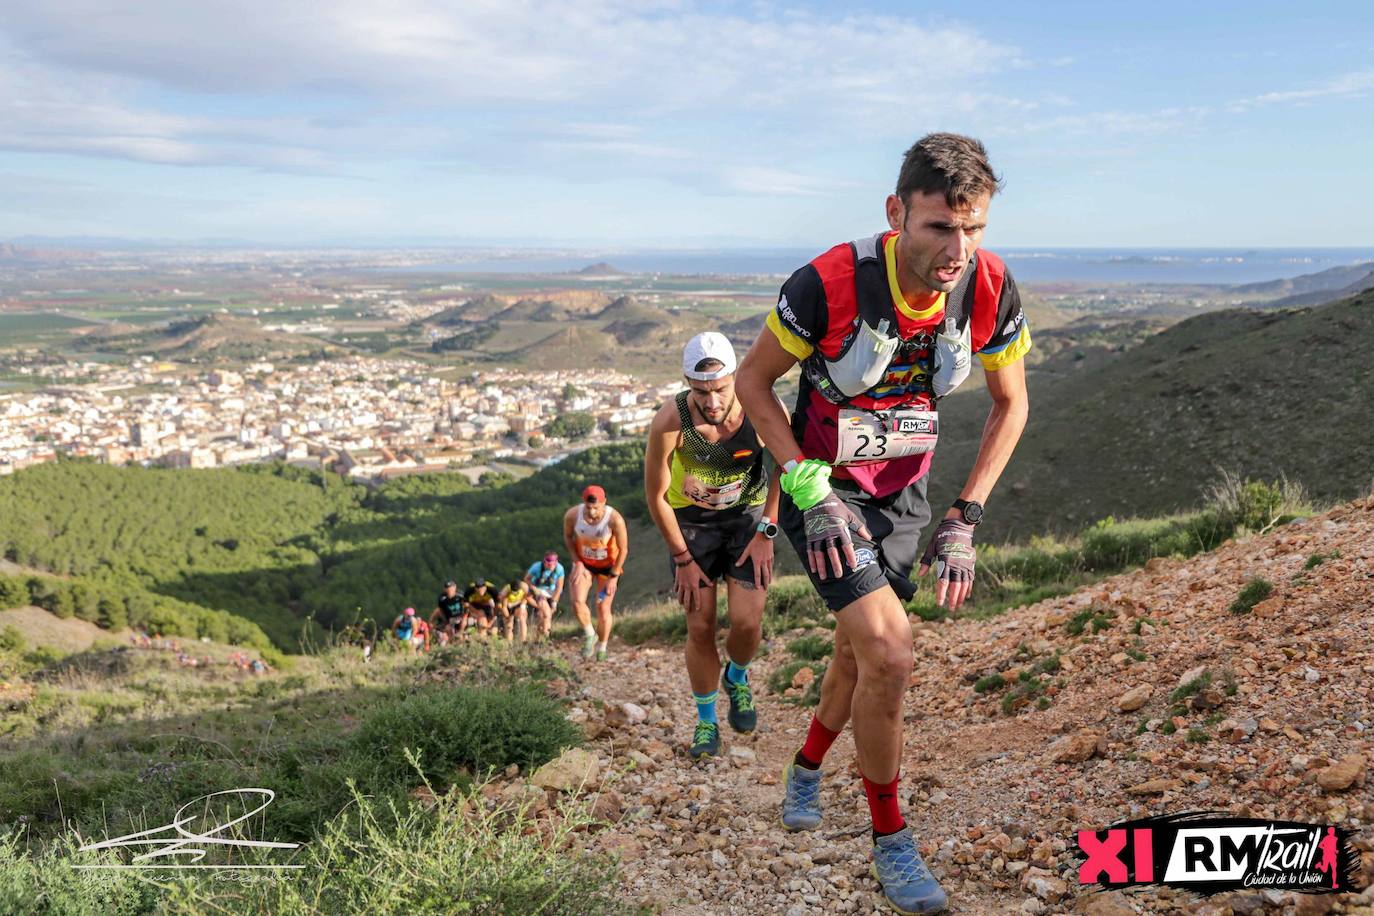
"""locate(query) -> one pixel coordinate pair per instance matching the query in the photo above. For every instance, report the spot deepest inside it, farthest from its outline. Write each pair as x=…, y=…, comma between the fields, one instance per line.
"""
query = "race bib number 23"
x=866, y=436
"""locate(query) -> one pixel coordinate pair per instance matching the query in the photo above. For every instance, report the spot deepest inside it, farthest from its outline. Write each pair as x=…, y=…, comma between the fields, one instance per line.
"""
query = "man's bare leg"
x=579, y=583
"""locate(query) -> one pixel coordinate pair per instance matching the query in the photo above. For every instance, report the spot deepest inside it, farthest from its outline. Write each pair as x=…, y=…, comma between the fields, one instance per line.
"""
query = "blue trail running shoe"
x=741, y=716
x=801, y=798
x=705, y=741
x=907, y=884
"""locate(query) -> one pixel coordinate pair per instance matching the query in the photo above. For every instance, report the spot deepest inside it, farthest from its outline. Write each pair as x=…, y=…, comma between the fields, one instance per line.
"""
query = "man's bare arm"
x=621, y=532
x=1006, y=421
x=764, y=364
x=569, y=532
x=662, y=438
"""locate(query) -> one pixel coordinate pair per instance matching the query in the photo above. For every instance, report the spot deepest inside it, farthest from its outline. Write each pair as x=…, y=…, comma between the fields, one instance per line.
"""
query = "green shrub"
x=1196, y=685
x=461, y=857
x=988, y=683
x=811, y=648
x=781, y=680
x=793, y=603
x=1088, y=618
x=1254, y=591
x=474, y=728
x=1257, y=506
x=13, y=593
x=112, y=614
x=1198, y=736
x=1317, y=559
x=12, y=640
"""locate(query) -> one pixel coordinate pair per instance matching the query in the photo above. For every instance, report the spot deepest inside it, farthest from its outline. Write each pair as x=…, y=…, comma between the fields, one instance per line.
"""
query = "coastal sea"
x=1222, y=266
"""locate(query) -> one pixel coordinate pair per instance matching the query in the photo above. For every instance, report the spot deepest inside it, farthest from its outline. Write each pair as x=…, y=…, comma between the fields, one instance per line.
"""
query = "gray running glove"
x=827, y=525
x=951, y=553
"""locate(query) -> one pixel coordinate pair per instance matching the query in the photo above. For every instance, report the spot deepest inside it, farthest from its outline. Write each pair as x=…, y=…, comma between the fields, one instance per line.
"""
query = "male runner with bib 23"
x=884, y=327
x=714, y=503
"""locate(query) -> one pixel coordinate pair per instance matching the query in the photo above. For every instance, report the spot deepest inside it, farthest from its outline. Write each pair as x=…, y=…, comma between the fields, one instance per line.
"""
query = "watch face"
x=973, y=513
x=770, y=530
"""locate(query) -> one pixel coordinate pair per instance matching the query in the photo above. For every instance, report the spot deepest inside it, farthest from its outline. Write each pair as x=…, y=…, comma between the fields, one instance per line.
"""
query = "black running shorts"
x=895, y=521
x=717, y=538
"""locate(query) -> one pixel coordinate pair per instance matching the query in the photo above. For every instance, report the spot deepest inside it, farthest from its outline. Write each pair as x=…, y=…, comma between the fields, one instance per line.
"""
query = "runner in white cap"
x=712, y=499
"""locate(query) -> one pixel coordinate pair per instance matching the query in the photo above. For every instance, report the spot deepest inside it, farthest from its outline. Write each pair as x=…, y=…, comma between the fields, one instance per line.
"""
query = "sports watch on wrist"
x=972, y=511
x=767, y=527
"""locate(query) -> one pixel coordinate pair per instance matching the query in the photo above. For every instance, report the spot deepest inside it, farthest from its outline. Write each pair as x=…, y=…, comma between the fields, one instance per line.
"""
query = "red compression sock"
x=882, y=804
x=818, y=741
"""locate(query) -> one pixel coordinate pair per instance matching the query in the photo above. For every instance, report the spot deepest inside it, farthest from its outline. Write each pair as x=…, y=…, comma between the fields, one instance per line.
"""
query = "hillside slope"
x=1261, y=393
x=1241, y=713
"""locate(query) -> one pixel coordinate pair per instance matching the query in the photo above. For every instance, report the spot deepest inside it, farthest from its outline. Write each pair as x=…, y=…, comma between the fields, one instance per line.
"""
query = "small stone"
x=1343, y=774
x=634, y=714
x=744, y=754
x=1134, y=698
x=1313, y=904
x=1044, y=885
x=1074, y=748
x=1106, y=903
x=572, y=770
x=1269, y=607
x=718, y=859
x=1154, y=786
x=641, y=760
x=1192, y=674
x=803, y=678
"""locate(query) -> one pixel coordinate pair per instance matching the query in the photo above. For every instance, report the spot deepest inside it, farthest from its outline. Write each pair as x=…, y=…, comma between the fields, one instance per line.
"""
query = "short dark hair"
x=952, y=164
x=709, y=364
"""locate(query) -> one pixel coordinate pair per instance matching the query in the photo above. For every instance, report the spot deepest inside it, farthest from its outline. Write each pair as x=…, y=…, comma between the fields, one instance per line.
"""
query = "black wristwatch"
x=767, y=527
x=972, y=511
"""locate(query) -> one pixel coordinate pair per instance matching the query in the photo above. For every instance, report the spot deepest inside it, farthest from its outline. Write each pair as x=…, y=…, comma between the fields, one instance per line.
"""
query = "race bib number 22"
x=867, y=436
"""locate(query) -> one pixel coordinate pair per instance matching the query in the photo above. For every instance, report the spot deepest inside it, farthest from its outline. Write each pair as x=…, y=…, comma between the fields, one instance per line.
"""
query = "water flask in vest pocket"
x=862, y=366
x=953, y=360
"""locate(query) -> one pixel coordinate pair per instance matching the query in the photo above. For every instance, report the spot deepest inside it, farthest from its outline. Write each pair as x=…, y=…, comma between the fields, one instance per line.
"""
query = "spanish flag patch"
x=744, y=453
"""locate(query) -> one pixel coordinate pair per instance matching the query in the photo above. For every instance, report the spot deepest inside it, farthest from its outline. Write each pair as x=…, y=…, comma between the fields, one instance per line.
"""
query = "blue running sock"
x=706, y=706
x=736, y=674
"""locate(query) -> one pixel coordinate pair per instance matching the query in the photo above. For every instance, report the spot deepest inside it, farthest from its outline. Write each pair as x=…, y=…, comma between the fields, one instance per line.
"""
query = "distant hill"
x=600, y=269
x=1333, y=278
x=629, y=308
x=1323, y=296
x=1260, y=392
x=533, y=310
x=571, y=347
x=212, y=336
x=478, y=309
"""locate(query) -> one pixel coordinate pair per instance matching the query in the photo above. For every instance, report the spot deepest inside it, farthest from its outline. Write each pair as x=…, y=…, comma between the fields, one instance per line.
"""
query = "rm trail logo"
x=1209, y=855
x=219, y=825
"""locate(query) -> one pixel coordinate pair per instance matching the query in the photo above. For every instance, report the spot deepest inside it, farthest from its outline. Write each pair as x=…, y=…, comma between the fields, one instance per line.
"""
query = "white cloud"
x=651, y=56
x=1347, y=85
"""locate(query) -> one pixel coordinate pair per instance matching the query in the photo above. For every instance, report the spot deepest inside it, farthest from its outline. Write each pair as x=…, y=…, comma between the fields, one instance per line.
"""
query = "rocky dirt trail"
x=1166, y=701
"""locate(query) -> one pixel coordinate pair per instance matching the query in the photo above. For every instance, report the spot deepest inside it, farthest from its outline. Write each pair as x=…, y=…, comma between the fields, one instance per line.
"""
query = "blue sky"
x=680, y=124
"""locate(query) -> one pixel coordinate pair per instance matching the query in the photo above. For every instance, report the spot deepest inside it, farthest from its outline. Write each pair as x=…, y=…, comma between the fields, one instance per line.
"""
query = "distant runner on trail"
x=883, y=328
x=406, y=626
x=479, y=607
x=448, y=611
x=715, y=505
x=545, y=579
x=598, y=541
x=513, y=601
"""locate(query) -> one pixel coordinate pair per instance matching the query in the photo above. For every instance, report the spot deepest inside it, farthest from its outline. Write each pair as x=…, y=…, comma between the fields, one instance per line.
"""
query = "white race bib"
x=595, y=553
x=866, y=436
x=709, y=497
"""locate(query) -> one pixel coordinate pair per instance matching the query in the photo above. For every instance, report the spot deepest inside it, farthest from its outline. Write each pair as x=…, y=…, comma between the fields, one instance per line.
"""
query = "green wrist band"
x=808, y=483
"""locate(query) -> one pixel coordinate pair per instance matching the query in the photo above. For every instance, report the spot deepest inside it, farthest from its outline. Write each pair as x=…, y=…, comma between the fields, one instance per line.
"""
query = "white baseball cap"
x=708, y=345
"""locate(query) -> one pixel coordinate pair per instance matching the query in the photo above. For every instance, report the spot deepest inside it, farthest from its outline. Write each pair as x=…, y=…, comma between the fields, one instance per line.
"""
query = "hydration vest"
x=876, y=370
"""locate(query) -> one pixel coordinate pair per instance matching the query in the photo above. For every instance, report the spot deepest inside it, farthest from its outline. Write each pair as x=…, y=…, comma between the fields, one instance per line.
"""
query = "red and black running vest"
x=855, y=282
